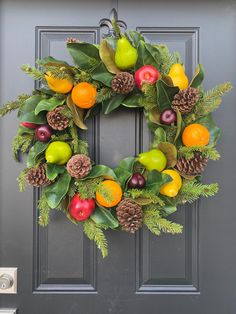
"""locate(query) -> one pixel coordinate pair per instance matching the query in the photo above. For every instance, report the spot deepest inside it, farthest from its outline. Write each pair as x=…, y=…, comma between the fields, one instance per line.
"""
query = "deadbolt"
x=6, y=281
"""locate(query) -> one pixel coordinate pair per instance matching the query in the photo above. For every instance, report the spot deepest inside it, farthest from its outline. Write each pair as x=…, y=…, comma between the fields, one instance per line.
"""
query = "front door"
x=59, y=269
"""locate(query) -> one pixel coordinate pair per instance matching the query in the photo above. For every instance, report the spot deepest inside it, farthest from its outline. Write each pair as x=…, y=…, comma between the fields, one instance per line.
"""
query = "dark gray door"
x=59, y=270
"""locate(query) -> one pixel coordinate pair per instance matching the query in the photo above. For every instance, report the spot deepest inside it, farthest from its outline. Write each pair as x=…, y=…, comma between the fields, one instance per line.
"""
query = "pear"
x=178, y=76
x=126, y=55
x=154, y=159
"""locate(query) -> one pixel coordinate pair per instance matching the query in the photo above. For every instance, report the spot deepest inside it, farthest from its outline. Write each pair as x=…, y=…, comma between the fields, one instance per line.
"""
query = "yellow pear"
x=178, y=76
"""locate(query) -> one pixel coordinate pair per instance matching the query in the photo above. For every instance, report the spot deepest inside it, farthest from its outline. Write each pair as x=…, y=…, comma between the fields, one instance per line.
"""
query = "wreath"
x=124, y=70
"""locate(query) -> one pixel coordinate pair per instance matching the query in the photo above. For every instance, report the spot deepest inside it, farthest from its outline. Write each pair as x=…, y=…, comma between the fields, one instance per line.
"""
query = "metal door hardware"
x=7, y=311
x=8, y=281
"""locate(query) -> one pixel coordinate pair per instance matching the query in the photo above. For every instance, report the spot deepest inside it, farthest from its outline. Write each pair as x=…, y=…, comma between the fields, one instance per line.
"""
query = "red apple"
x=146, y=74
x=80, y=209
x=43, y=133
x=29, y=125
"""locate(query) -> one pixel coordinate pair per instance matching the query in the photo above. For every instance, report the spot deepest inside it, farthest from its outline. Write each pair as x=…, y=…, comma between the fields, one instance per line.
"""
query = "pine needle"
x=21, y=179
x=103, y=94
x=87, y=188
x=149, y=100
x=95, y=233
x=145, y=194
x=13, y=105
x=44, y=211
x=208, y=151
x=21, y=144
x=33, y=72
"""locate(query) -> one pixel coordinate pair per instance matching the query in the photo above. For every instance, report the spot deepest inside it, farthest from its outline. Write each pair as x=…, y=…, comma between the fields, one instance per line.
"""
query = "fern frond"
x=13, y=105
x=208, y=151
x=95, y=233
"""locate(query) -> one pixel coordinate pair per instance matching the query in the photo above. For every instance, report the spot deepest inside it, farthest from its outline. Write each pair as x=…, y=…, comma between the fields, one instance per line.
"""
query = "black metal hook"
x=108, y=23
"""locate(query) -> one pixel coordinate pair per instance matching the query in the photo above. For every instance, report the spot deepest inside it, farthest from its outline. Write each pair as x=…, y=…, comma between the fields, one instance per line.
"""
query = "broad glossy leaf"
x=56, y=191
x=48, y=104
x=198, y=77
x=52, y=62
x=77, y=114
x=136, y=37
x=127, y=164
x=111, y=104
x=132, y=100
x=26, y=112
x=124, y=170
x=156, y=179
x=101, y=74
x=107, y=55
x=144, y=56
x=23, y=130
x=85, y=55
x=53, y=170
x=35, y=151
x=101, y=171
x=154, y=115
x=179, y=124
x=170, y=152
x=210, y=124
x=103, y=216
x=165, y=94
x=159, y=136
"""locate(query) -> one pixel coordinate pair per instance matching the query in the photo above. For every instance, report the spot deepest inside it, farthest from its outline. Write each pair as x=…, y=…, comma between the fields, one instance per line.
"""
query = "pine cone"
x=79, y=166
x=186, y=99
x=123, y=83
x=57, y=120
x=37, y=176
x=130, y=215
x=71, y=40
x=192, y=166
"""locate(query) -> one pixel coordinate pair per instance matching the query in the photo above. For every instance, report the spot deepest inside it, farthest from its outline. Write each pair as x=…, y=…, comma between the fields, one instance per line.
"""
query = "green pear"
x=154, y=159
x=126, y=55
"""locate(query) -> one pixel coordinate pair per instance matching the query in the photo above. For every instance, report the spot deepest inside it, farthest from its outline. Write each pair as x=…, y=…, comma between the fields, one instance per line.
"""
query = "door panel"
x=60, y=270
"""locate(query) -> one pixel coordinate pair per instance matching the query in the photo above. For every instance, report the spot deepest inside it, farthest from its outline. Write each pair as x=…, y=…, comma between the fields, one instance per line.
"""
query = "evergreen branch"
x=217, y=92
x=13, y=105
x=33, y=72
x=61, y=137
x=87, y=188
x=21, y=143
x=83, y=147
x=167, y=58
x=83, y=76
x=59, y=72
x=145, y=194
x=95, y=233
x=168, y=226
x=103, y=94
x=72, y=189
x=22, y=179
x=192, y=190
x=149, y=100
x=44, y=211
x=208, y=151
x=116, y=28
x=75, y=138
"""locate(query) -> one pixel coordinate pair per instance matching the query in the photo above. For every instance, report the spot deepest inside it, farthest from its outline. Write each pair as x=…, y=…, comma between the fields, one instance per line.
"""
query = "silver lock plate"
x=7, y=311
x=8, y=279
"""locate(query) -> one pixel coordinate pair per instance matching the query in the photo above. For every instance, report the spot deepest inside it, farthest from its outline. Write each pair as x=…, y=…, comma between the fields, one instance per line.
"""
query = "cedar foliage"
x=13, y=105
x=208, y=151
x=21, y=144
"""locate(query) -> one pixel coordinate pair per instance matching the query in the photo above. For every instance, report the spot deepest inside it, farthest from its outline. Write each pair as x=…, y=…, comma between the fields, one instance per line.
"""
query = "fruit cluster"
x=144, y=189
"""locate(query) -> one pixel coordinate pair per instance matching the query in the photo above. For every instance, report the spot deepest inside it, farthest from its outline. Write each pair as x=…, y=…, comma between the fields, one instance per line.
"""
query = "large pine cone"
x=37, y=176
x=79, y=166
x=185, y=100
x=57, y=120
x=130, y=215
x=123, y=83
x=192, y=166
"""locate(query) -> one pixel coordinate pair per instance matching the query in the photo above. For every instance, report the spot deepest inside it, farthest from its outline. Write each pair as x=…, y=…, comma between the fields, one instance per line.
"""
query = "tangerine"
x=195, y=135
x=109, y=193
x=84, y=95
x=61, y=86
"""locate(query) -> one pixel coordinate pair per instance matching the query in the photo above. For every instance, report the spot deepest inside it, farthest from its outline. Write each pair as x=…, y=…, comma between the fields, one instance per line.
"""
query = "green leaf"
x=26, y=112
x=101, y=171
x=159, y=136
x=48, y=104
x=56, y=191
x=165, y=94
x=132, y=100
x=52, y=171
x=107, y=55
x=103, y=217
x=77, y=114
x=155, y=180
x=101, y=74
x=124, y=170
x=170, y=152
x=136, y=37
x=52, y=61
x=146, y=55
x=210, y=124
x=85, y=55
x=198, y=77
x=35, y=151
x=23, y=130
x=179, y=124
x=111, y=104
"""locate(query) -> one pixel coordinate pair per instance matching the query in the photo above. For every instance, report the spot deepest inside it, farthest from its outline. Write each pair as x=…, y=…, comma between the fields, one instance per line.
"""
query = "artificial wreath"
x=124, y=70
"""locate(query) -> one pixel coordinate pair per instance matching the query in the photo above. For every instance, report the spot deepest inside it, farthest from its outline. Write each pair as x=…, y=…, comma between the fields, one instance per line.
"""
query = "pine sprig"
x=208, y=151
x=75, y=139
x=22, y=179
x=149, y=100
x=217, y=92
x=87, y=188
x=59, y=72
x=192, y=190
x=21, y=144
x=32, y=72
x=167, y=58
x=95, y=233
x=13, y=105
x=144, y=194
x=44, y=211
x=103, y=94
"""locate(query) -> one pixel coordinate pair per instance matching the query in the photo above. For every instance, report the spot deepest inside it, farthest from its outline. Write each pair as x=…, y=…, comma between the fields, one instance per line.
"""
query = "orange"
x=61, y=86
x=113, y=191
x=195, y=135
x=84, y=95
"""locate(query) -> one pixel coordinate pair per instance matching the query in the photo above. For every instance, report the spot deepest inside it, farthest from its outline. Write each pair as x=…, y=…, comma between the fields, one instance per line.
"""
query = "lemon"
x=178, y=76
x=58, y=153
x=61, y=86
x=172, y=188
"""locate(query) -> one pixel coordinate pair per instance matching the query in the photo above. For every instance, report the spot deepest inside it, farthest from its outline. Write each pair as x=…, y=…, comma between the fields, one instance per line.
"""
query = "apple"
x=29, y=125
x=168, y=117
x=81, y=209
x=146, y=74
x=137, y=181
x=43, y=133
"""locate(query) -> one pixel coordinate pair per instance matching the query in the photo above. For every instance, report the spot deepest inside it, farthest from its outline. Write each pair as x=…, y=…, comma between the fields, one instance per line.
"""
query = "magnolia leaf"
x=101, y=171
x=159, y=136
x=167, y=79
x=26, y=112
x=179, y=124
x=169, y=209
x=56, y=191
x=136, y=37
x=112, y=103
x=145, y=55
x=124, y=170
x=198, y=77
x=154, y=115
x=48, y=104
x=156, y=179
x=50, y=61
x=73, y=220
x=107, y=55
x=103, y=217
x=35, y=151
x=170, y=151
x=132, y=100
x=77, y=114
x=165, y=94
x=23, y=130
x=101, y=74
x=53, y=170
